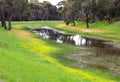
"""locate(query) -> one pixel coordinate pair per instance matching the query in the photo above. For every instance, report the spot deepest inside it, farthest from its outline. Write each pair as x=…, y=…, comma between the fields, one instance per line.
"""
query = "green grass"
x=20, y=65
x=39, y=60
x=104, y=25
x=112, y=30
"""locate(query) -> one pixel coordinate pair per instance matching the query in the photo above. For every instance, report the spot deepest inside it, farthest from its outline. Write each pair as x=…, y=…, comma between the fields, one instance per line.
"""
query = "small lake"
x=104, y=46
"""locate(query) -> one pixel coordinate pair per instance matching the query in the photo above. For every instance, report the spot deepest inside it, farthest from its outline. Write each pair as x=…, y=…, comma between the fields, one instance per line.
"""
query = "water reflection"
x=61, y=37
x=78, y=40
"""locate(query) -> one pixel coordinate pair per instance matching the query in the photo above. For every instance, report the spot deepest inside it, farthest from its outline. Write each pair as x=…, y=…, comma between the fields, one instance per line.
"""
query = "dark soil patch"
x=90, y=58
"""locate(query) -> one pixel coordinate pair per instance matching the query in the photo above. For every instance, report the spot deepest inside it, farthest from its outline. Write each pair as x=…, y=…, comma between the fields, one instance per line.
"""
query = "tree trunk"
x=9, y=20
x=9, y=25
x=3, y=24
x=74, y=23
x=3, y=21
x=87, y=19
x=110, y=20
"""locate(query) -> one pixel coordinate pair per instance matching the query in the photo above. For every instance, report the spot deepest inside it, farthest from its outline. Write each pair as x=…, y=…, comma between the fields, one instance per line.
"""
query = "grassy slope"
x=110, y=31
x=100, y=29
x=24, y=58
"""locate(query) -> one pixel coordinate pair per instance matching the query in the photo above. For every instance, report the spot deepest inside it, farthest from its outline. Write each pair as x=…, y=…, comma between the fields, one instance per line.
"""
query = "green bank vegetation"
x=27, y=58
x=99, y=29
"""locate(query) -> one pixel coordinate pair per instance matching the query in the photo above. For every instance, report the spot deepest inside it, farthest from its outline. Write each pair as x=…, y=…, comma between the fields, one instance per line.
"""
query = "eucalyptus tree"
x=21, y=11
x=2, y=13
x=86, y=8
x=43, y=11
x=90, y=10
x=6, y=12
x=69, y=12
x=116, y=9
x=8, y=9
x=106, y=9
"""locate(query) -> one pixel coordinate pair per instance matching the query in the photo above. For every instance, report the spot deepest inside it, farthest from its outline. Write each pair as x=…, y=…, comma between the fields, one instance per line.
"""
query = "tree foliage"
x=10, y=9
x=22, y=10
x=91, y=10
x=68, y=10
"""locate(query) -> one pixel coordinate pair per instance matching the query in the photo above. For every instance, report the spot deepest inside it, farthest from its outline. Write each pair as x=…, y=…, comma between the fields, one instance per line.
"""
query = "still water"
x=78, y=40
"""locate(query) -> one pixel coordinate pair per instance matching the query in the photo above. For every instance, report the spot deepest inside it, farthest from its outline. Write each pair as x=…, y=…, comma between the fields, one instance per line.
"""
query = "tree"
x=85, y=6
x=116, y=8
x=7, y=8
x=43, y=11
x=2, y=17
x=90, y=10
x=68, y=13
x=107, y=9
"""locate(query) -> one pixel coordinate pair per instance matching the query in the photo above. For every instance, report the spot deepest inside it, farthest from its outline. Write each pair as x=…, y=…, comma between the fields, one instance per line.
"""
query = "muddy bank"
x=89, y=58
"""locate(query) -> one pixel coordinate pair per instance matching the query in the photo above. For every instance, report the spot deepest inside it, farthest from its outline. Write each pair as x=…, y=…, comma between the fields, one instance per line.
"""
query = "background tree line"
x=90, y=10
x=26, y=10
x=68, y=10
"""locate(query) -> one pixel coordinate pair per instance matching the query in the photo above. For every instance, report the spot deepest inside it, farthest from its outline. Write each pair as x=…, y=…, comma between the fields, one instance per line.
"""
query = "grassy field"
x=100, y=29
x=25, y=57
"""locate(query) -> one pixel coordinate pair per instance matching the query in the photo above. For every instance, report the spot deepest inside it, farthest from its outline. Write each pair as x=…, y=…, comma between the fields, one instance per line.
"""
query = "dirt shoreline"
x=90, y=58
